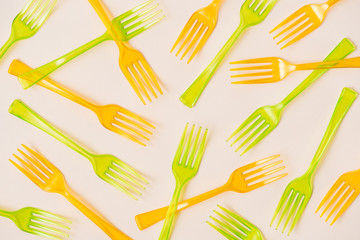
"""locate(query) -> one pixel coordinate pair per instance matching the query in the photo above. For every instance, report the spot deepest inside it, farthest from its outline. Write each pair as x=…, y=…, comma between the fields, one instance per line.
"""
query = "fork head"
x=261, y=70
x=254, y=12
x=189, y=153
x=256, y=174
x=125, y=123
x=293, y=202
x=341, y=195
x=234, y=227
x=137, y=20
x=41, y=223
x=31, y=18
x=256, y=127
x=119, y=174
x=300, y=23
x=197, y=31
x=139, y=73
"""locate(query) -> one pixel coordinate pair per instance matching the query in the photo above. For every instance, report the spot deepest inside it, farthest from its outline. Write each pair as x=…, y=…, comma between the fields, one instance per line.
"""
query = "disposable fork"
x=39, y=222
x=234, y=227
x=341, y=195
x=50, y=179
x=28, y=21
x=252, y=12
x=185, y=166
x=112, y=117
x=272, y=69
x=302, y=22
x=132, y=63
x=298, y=192
x=107, y=167
x=242, y=180
x=265, y=119
x=128, y=25
x=198, y=30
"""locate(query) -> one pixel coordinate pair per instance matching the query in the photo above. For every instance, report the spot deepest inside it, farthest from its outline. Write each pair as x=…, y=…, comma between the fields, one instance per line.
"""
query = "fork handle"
x=7, y=45
x=192, y=94
x=145, y=220
x=332, y=2
x=100, y=221
x=344, y=63
x=345, y=101
x=33, y=76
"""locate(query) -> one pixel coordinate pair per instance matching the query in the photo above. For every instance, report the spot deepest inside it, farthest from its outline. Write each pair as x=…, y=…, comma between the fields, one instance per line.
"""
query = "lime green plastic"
x=124, y=27
x=108, y=167
x=298, y=192
x=270, y=115
x=39, y=222
x=232, y=224
x=249, y=16
x=185, y=166
x=28, y=22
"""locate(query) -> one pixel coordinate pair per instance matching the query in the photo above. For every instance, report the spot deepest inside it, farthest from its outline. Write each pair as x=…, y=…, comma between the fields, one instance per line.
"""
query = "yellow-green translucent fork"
x=107, y=167
x=185, y=166
x=39, y=222
x=252, y=12
x=298, y=192
x=128, y=25
x=28, y=21
x=265, y=119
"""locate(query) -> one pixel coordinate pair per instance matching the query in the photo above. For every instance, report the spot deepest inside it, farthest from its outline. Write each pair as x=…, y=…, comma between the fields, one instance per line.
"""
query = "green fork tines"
x=39, y=222
x=233, y=226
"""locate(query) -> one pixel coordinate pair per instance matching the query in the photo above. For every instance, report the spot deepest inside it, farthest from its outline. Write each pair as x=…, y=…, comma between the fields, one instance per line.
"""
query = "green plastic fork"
x=128, y=25
x=39, y=222
x=265, y=119
x=185, y=166
x=28, y=21
x=107, y=167
x=298, y=192
x=234, y=227
x=252, y=12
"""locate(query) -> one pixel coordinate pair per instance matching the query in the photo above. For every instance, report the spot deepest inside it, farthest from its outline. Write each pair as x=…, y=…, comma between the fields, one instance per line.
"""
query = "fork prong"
x=201, y=43
x=125, y=134
x=132, y=82
x=120, y=187
x=138, y=16
x=151, y=74
x=265, y=132
x=135, y=10
x=123, y=182
x=184, y=157
x=261, y=128
x=291, y=26
x=129, y=171
x=242, y=220
x=29, y=166
x=298, y=214
x=131, y=129
x=180, y=148
x=126, y=176
x=138, y=118
x=332, y=190
x=268, y=7
x=45, y=234
x=139, y=81
x=340, y=202
x=283, y=200
x=294, y=209
x=40, y=161
x=49, y=215
x=345, y=206
x=263, y=175
x=265, y=182
x=247, y=130
x=339, y=192
x=295, y=31
x=190, y=36
x=30, y=10
x=136, y=122
x=145, y=78
x=43, y=15
x=220, y=230
x=300, y=36
x=201, y=150
x=50, y=222
x=188, y=26
x=255, y=81
x=293, y=16
x=261, y=169
x=231, y=224
x=146, y=26
x=258, y=163
x=27, y=173
x=26, y=7
x=230, y=229
x=195, y=40
x=250, y=119
x=287, y=207
x=49, y=229
x=194, y=149
x=255, y=74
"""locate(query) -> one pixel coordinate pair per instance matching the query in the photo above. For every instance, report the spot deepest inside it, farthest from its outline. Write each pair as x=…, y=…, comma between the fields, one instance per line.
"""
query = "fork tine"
x=265, y=182
x=40, y=161
x=49, y=229
x=123, y=182
x=26, y=7
x=201, y=43
x=30, y=11
x=139, y=15
x=50, y=215
x=188, y=26
x=184, y=158
x=194, y=149
x=336, y=196
x=243, y=221
x=135, y=9
x=50, y=222
x=255, y=74
x=291, y=26
x=246, y=131
x=340, y=202
x=201, y=150
x=146, y=26
x=262, y=168
x=42, y=233
x=293, y=209
x=268, y=7
x=40, y=19
x=295, y=31
x=258, y=139
x=145, y=78
x=332, y=190
x=129, y=171
x=27, y=173
x=281, y=203
x=220, y=230
x=129, y=128
x=250, y=119
x=125, y=175
x=138, y=118
x=258, y=163
x=135, y=123
x=120, y=187
x=253, y=134
x=293, y=16
x=230, y=225
x=132, y=82
x=195, y=40
x=28, y=164
x=345, y=206
x=252, y=68
x=151, y=74
x=300, y=36
x=255, y=81
x=263, y=175
x=197, y=26
x=125, y=134
x=139, y=81
x=298, y=215
x=229, y=228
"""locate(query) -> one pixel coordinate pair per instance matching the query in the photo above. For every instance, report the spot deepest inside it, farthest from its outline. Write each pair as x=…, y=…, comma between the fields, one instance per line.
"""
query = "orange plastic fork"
x=302, y=22
x=198, y=29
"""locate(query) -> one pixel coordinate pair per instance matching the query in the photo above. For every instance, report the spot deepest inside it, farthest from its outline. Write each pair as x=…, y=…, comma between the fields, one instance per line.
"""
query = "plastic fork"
x=50, y=179
x=107, y=167
x=242, y=180
x=39, y=222
x=234, y=227
x=112, y=117
x=198, y=30
x=302, y=22
x=252, y=12
x=341, y=195
x=272, y=69
x=132, y=63
x=185, y=166
x=28, y=21
x=265, y=119
x=298, y=192
x=128, y=25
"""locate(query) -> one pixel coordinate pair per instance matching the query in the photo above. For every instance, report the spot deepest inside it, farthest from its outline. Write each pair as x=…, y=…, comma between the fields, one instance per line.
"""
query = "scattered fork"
x=128, y=25
x=242, y=180
x=28, y=21
x=252, y=12
x=347, y=188
x=185, y=166
x=50, y=179
x=302, y=22
x=265, y=119
x=234, y=227
x=39, y=222
x=112, y=117
x=107, y=167
x=198, y=30
x=132, y=63
x=298, y=192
